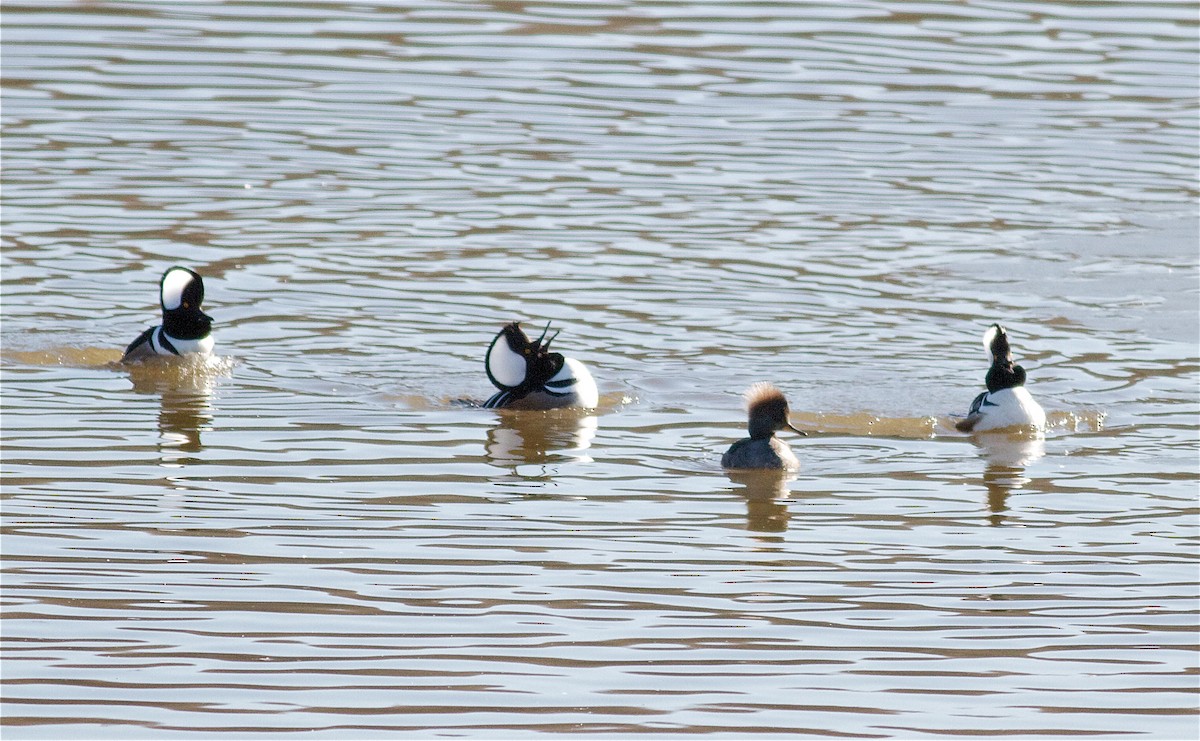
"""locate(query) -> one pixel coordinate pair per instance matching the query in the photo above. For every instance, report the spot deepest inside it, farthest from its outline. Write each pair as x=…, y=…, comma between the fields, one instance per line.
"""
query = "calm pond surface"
x=314, y=535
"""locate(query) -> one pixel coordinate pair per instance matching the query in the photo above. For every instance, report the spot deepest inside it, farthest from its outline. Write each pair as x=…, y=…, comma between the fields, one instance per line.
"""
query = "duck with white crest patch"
x=1006, y=403
x=529, y=376
x=185, y=329
x=768, y=413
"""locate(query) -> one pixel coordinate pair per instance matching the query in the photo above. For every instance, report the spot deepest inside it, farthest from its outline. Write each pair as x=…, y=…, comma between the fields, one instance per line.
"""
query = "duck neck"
x=1005, y=376
x=761, y=431
x=186, y=325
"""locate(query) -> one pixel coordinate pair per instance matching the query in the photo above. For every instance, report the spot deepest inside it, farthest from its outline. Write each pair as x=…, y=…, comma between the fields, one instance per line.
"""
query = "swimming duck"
x=1006, y=403
x=529, y=376
x=185, y=329
x=768, y=413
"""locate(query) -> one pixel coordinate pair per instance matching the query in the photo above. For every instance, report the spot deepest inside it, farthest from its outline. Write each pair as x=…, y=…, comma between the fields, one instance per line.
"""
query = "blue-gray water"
x=312, y=536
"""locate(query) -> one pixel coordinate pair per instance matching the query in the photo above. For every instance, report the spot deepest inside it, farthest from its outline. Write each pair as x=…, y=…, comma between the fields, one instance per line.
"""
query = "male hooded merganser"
x=529, y=376
x=1006, y=403
x=185, y=330
x=768, y=412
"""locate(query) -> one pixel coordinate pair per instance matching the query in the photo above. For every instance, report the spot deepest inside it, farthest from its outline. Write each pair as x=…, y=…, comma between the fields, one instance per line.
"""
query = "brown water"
x=313, y=535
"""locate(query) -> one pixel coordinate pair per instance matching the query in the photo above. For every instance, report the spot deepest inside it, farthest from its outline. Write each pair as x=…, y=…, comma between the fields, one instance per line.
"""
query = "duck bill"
x=792, y=427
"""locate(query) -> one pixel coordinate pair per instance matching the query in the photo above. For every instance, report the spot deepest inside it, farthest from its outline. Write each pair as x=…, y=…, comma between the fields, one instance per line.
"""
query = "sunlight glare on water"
x=321, y=532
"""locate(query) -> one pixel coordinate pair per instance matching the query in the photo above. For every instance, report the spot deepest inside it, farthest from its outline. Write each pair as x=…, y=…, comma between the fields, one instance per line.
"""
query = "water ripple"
x=322, y=534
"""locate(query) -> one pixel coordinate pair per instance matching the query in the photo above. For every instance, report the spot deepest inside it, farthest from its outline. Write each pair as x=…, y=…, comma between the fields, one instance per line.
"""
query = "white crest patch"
x=988, y=336
x=506, y=366
x=173, y=284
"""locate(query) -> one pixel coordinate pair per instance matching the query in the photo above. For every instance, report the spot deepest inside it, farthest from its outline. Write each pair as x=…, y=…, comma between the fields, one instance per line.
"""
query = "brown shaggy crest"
x=763, y=393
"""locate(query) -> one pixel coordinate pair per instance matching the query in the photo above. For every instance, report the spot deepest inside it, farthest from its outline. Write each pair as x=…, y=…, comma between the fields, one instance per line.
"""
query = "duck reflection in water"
x=184, y=386
x=766, y=492
x=1006, y=456
x=541, y=437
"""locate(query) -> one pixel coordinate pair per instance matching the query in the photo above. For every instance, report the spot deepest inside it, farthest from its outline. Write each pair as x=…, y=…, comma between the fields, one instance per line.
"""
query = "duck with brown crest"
x=767, y=410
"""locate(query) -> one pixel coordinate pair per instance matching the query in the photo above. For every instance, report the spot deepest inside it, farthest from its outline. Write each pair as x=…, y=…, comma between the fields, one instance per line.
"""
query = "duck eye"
x=185, y=305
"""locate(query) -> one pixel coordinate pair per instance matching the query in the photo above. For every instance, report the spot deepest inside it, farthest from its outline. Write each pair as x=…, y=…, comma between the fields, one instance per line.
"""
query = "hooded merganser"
x=185, y=330
x=768, y=412
x=1006, y=403
x=529, y=376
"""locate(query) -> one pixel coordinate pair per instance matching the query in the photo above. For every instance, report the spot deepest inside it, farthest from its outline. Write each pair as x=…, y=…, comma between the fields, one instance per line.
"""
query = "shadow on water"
x=867, y=424
x=76, y=357
x=871, y=425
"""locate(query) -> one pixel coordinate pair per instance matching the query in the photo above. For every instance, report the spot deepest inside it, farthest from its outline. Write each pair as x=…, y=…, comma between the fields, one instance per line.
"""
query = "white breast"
x=584, y=387
x=784, y=451
x=202, y=346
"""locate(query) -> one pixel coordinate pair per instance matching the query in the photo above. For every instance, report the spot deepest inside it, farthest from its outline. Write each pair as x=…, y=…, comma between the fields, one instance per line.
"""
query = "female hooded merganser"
x=185, y=330
x=768, y=412
x=1006, y=403
x=529, y=376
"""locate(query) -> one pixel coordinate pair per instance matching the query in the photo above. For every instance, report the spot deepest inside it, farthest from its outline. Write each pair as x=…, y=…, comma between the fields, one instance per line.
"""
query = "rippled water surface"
x=318, y=533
